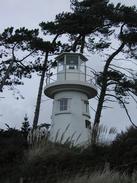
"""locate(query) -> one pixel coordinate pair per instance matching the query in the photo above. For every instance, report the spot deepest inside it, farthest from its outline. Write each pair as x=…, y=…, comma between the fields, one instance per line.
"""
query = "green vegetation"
x=46, y=161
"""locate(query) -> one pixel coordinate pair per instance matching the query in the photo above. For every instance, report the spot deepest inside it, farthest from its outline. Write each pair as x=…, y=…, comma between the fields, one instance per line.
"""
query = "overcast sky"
x=30, y=13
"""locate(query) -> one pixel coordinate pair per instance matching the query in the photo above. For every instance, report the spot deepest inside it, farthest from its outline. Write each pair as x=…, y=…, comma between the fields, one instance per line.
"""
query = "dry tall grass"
x=63, y=162
x=104, y=177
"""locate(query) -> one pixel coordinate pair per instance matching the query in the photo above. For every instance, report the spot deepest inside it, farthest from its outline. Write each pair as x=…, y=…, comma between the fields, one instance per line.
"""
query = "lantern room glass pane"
x=60, y=64
x=82, y=66
x=72, y=62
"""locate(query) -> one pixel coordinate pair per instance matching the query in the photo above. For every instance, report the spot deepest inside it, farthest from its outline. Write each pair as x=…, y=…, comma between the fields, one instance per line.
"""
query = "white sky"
x=30, y=13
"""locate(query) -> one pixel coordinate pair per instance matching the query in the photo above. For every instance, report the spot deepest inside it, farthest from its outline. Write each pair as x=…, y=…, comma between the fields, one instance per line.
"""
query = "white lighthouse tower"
x=71, y=88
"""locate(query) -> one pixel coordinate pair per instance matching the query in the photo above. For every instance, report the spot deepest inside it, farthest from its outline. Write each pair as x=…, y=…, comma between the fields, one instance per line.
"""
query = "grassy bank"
x=53, y=162
x=104, y=177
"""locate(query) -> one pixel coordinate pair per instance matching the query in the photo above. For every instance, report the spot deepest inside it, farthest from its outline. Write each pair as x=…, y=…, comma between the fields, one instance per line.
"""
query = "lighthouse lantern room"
x=70, y=88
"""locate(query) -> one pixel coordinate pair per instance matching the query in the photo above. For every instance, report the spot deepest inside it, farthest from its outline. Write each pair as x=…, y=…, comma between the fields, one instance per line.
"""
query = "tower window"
x=86, y=106
x=63, y=104
x=88, y=124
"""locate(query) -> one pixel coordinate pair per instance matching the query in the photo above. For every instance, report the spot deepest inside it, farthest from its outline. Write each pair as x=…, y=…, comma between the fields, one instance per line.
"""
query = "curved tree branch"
x=125, y=108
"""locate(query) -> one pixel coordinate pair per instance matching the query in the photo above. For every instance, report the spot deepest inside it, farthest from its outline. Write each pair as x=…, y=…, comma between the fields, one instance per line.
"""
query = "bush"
x=125, y=148
x=12, y=146
x=61, y=160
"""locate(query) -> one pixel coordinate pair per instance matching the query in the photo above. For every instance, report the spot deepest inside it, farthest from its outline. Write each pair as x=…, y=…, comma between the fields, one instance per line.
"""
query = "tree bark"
x=74, y=46
x=102, y=94
x=82, y=44
x=38, y=102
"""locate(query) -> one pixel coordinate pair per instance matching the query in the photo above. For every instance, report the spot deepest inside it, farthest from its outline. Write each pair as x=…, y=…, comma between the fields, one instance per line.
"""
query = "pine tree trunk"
x=102, y=94
x=37, y=109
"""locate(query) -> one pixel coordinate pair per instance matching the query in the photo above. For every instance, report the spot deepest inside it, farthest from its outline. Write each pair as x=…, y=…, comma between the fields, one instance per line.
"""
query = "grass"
x=63, y=162
x=48, y=159
x=104, y=177
x=62, y=158
x=48, y=162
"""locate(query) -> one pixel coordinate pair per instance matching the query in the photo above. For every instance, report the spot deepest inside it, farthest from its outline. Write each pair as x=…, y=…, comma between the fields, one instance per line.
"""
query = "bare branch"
x=107, y=107
x=126, y=110
x=129, y=70
x=109, y=100
x=121, y=29
x=27, y=56
x=112, y=83
x=126, y=69
x=55, y=38
x=125, y=60
x=92, y=108
x=132, y=97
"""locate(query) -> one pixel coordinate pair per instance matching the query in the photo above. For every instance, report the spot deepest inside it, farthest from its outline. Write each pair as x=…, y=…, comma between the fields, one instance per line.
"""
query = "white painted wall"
x=74, y=117
x=71, y=74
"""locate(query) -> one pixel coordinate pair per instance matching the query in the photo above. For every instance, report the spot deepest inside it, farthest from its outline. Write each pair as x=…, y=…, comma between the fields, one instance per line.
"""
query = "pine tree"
x=25, y=128
x=13, y=68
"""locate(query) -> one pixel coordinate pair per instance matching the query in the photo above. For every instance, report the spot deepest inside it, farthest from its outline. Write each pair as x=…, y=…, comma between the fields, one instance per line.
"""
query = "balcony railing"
x=83, y=73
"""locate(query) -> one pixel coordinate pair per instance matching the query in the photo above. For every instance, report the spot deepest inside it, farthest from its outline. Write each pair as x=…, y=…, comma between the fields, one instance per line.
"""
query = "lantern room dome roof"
x=82, y=57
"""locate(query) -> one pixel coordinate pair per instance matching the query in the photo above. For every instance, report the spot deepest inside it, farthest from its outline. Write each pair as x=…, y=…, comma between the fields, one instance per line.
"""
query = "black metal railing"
x=83, y=73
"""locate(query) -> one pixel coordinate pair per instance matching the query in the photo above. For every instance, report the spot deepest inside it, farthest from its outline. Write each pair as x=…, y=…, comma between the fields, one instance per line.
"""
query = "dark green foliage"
x=25, y=127
x=9, y=37
x=125, y=14
x=53, y=161
x=122, y=84
x=17, y=42
x=12, y=44
x=125, y=148
x=12, y=146
x=88, y=17
x=85, y=19
x=61, y=160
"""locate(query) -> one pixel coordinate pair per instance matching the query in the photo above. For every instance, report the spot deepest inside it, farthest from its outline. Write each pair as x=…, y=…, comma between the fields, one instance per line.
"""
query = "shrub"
x=125, y=148
x=12, y=146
